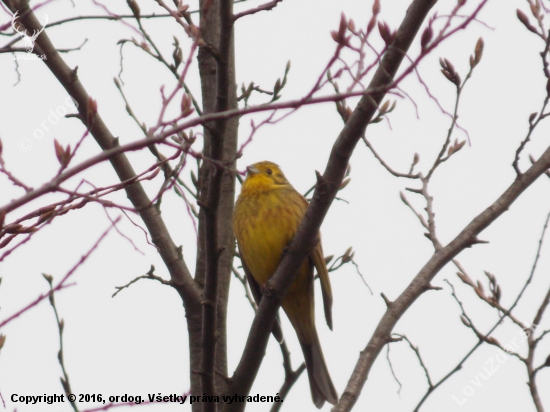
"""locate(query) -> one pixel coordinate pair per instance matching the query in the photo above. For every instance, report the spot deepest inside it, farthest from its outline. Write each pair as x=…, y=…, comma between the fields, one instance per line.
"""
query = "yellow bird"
x=266, y=217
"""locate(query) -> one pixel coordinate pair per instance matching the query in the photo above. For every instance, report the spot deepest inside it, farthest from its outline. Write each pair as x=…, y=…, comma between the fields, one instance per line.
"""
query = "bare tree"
x=195, y=146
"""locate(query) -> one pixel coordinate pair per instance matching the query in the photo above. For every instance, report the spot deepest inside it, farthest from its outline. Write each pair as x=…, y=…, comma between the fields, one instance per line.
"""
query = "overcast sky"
x=136, y=343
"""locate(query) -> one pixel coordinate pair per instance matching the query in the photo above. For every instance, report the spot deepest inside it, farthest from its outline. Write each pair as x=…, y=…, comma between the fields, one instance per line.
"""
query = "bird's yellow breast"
x=264, y=223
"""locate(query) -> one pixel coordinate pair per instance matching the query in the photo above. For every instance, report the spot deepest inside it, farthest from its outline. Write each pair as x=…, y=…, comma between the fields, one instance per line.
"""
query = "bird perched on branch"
x=266, y=217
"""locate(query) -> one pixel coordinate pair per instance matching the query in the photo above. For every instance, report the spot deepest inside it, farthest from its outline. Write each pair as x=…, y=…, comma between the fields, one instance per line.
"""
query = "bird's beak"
x=252, y=170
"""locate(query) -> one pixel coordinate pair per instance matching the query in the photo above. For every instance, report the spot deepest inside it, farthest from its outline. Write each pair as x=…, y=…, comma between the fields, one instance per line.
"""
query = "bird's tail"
x=322, y=388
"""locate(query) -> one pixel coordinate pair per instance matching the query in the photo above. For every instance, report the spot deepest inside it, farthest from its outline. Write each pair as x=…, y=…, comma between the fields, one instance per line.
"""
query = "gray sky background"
x=136, y=343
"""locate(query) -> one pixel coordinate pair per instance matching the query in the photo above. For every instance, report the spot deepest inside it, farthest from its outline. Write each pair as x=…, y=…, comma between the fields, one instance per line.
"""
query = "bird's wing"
x=254, y=287
x=257, y=293
x=319, y=261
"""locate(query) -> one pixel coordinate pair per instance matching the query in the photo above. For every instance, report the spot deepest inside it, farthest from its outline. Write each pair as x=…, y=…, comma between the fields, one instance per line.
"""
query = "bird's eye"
x=269, y=171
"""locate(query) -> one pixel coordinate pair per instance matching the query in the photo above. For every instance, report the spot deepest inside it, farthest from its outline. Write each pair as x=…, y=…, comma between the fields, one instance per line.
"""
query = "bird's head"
x=264, y=176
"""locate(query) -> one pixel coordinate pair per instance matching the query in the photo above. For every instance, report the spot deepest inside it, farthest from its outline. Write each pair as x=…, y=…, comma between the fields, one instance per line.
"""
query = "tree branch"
x=327, y=188
x=211, y=209
x=68, y=78
x=266, y=6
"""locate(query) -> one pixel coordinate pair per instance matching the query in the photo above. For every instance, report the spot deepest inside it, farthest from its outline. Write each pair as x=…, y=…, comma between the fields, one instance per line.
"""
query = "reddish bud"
x=63, y=155
x=385, y=32
x=478, y=51
x=344, y=183
x=186, y=108
x=154, y=174
x=340, y=36
x=376, y=7
x=371, y=24
x=426, y=37
x=343, y=26
x=384, y=108
x=134, y=7
x=492, y=340
x=480, y=286
x=460, y=145
x=522, y=17
x=59, y=151
x=178, y=56
x=525, y=20
x=535, y=9
x=464, y=278
x=449, y=71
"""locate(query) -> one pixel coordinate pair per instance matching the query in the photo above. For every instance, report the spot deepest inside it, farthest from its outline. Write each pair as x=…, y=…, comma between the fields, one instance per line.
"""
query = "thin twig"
x=266, y=6
x=149, y=275
x=60, y=356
